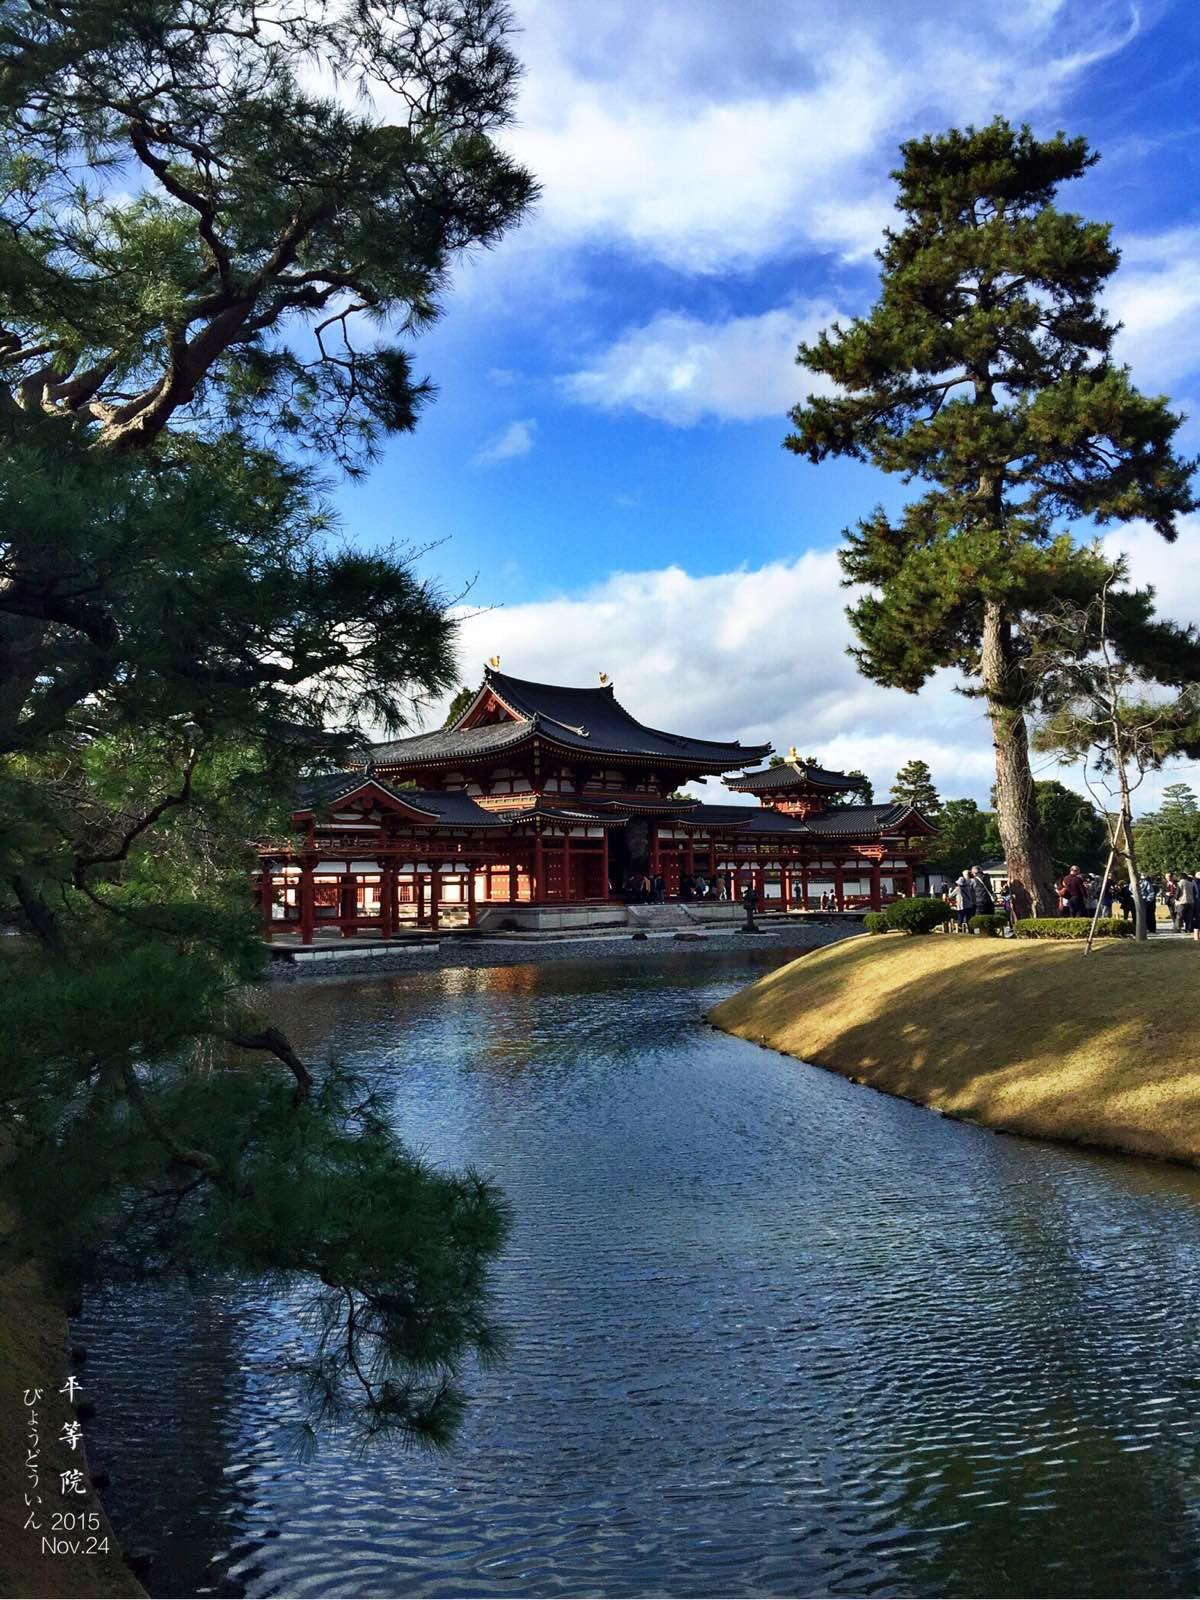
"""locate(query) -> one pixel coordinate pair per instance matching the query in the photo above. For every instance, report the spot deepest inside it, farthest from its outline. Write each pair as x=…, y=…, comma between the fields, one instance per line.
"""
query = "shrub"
x=1072, y=928
x=876, y=922
x=921, y=914
x=990, y=922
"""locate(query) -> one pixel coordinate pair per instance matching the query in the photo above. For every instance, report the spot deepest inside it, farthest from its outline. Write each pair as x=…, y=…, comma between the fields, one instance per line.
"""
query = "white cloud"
x=759, y=654
x=1156, y=295
x=711, y=136
x=1172, y=569
x=680, y=369
x=515, y=440
x=756, y=654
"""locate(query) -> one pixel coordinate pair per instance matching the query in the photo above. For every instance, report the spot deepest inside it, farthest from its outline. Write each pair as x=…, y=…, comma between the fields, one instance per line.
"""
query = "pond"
x=772, y=1333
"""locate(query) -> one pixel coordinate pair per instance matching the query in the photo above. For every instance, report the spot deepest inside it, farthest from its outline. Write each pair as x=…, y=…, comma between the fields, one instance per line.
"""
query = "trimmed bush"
x=1072, y=928
x=876, y=922
x=921, y=914
x=990, y=922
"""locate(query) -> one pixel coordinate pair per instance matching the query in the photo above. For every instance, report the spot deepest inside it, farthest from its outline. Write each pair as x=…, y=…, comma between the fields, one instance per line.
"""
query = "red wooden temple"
x=542, y=797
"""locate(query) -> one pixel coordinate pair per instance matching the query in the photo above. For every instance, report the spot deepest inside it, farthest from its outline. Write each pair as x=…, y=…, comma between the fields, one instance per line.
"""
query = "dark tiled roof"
x=843, y=822
x=798, y=775
x=576, y=816
x=447, y=743
x=591, y=720
x=450, y=809
x=846, y=822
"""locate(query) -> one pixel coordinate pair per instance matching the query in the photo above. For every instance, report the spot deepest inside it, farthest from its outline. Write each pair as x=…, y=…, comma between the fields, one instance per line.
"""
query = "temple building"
x=540, y=798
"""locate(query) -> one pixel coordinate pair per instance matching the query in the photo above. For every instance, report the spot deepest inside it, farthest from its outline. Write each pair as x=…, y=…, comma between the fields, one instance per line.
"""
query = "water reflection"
x=771, y=1333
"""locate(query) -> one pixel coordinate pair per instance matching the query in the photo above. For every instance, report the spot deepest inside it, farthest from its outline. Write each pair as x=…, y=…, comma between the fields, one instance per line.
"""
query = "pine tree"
x=459, y=704
x=1168, y=840
x=863, y=794
x=984, y=370
x=962, y=836
x=914, y=787
x=201, y=255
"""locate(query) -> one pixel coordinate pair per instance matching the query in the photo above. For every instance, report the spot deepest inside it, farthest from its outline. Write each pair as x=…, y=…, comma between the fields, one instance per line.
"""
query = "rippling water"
x=772, y=1333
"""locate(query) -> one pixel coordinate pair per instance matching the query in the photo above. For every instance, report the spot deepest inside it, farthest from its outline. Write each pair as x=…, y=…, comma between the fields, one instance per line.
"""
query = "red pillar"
x=785, y=885
x=712, y=861
x=435, y=892
x=537, y=887
x=909, y=879
x=876, y=888
x=470, y=894
x=566, y=865
x=387, y=900
x=839, y=888
x=655, y=861
x=604, y=885
x=306, y=897
x=265, y=897
x=348, y=904
x=760, y=886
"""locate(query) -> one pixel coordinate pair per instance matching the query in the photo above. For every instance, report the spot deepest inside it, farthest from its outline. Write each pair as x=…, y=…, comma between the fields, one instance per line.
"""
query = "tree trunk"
x=21, y=658
x=1026, y=853
x=1128, y=851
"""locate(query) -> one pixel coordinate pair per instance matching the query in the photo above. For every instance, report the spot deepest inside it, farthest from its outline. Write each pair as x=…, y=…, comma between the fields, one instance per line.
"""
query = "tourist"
x=1074, y=893
x=981, y=894
x=1006, y=902
x=1106, y=896
x=1186, y=903
x=964, y=903
x=1149, y=900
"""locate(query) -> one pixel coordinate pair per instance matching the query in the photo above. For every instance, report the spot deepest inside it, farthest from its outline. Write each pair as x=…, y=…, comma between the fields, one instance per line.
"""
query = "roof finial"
x=494, y=663
x=793, y=754
x=603, y=679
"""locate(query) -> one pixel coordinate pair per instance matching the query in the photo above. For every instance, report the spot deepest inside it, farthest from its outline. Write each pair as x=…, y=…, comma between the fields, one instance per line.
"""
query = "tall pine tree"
x=984, y=371
x=914, y=787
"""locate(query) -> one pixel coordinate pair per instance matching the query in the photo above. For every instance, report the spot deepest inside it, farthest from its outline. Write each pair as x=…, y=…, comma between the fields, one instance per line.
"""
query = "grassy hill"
x=1028, y=1037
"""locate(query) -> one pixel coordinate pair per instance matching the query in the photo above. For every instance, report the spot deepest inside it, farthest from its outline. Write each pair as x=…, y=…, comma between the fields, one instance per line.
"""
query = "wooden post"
x=876, y=888
x=435, y=894
x=804, y=884
x=470, y=894
x=537, y=887
x=387, y=900
x=605, y=889
x=712, y=861
x=909, y=879
x=655, y=860
x=348, y=905
x=307, y=896
x=266, y=898
x=785, y=885
x=839, y=887
x=566, y=866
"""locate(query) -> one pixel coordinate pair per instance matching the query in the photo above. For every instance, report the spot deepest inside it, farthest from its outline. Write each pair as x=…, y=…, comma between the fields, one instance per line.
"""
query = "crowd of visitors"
x=1079, y=893
x=650, y=889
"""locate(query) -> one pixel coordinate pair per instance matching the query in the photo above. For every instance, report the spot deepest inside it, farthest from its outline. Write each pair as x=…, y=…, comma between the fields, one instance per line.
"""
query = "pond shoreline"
x=1016, y=1037
x=500, y=952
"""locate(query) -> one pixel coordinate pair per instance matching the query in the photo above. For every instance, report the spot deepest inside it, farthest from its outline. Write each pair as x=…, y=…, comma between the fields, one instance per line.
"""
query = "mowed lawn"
x=1031, y=1037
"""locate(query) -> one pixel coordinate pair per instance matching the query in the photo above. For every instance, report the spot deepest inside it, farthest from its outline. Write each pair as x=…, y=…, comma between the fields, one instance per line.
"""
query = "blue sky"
x=604, y=456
